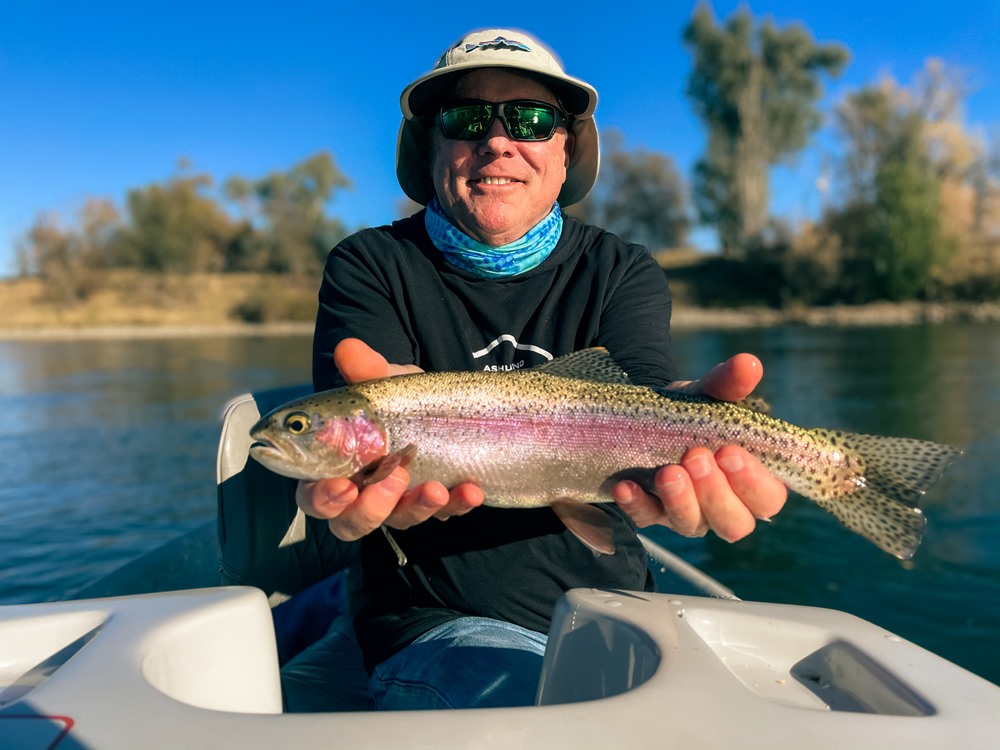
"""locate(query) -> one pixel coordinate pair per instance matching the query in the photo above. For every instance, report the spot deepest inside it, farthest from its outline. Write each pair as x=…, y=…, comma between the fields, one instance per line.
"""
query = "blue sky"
x=97, y=98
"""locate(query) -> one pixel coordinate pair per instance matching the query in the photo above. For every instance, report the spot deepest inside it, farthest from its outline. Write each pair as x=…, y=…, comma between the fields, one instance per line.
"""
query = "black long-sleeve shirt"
x=391, y=288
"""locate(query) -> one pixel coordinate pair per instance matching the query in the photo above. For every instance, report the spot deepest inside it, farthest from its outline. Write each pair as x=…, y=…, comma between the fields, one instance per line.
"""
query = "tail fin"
x=898, y=472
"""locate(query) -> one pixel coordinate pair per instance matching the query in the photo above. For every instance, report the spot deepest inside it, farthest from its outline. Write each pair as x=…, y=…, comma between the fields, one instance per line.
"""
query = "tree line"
x=910, y=206
x=274, y=224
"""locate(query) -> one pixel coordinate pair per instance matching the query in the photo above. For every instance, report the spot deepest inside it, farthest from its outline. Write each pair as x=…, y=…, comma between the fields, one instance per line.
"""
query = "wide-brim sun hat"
x=496, y=48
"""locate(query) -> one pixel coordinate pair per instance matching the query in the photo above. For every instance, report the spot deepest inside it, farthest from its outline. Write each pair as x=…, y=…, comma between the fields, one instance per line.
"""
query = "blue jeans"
x=329, y=675
x=472, y=662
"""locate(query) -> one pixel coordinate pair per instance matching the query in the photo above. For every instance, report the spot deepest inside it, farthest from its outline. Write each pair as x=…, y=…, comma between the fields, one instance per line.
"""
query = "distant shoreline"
x=170, y=331
x=872, y=314
x=684, y=318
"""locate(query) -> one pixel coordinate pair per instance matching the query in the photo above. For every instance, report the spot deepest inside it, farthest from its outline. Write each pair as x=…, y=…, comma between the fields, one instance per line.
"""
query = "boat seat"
x=306, y=582
x=256, y=507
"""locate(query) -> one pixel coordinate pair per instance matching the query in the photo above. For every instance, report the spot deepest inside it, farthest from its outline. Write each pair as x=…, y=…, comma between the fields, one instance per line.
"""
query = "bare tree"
x=639, y=196
x=756, y=90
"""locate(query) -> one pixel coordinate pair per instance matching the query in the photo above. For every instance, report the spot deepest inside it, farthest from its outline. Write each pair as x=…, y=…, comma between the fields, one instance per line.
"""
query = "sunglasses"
x=524, y=120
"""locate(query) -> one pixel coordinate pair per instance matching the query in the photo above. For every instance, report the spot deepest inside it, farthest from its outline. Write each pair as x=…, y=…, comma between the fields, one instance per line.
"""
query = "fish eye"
x=297, y=422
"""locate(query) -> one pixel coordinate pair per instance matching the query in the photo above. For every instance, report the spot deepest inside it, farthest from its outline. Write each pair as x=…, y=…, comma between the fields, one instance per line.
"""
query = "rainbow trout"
x=562, y=434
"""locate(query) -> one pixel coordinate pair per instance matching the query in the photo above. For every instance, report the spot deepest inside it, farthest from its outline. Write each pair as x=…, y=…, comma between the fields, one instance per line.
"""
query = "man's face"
x=495, y=189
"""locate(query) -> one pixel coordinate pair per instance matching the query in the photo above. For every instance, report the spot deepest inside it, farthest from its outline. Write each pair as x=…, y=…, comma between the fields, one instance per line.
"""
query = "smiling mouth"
x=495, y=180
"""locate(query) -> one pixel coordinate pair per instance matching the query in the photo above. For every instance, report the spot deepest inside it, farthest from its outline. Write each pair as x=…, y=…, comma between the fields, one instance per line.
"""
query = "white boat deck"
x=198, y=668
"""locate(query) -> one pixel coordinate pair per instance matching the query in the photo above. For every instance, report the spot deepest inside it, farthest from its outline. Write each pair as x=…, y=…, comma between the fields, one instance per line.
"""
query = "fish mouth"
x=262, y=443
x=279, y=458
x=283, y=457
x=267, y=451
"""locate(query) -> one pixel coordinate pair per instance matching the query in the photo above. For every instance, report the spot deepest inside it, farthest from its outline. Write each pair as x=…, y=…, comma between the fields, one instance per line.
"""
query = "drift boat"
x=160, y=655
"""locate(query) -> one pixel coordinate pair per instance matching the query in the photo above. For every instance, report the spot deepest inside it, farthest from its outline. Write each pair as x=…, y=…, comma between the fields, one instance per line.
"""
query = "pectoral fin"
x=588, y=523
x=296, y=530
x=380, y=468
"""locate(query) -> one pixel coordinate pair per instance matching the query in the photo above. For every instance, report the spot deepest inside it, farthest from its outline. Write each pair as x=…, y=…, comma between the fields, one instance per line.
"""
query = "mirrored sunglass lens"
x=530, y=121
x=524, y=121
x=466, y=122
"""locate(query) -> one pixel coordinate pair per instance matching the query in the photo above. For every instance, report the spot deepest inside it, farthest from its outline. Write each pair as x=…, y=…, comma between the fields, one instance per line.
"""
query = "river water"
x=107, y=449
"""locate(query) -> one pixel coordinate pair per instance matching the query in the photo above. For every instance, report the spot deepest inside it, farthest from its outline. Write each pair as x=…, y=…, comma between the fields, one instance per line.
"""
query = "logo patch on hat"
x=500, y=41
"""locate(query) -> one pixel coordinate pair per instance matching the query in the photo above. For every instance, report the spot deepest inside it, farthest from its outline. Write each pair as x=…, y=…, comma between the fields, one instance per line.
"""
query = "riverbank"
x=874, y=314
x=685, y=318
x=173, y=331
x=129, y=305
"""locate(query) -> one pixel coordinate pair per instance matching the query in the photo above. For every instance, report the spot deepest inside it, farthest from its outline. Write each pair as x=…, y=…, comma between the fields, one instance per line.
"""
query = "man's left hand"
x=726, y=491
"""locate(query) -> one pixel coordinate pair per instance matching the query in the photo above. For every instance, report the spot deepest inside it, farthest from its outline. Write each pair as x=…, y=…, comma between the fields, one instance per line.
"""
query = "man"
x=492, y=276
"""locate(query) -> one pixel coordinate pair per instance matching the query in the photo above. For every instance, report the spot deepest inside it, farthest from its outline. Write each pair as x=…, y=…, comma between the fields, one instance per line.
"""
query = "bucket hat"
x=496, y=48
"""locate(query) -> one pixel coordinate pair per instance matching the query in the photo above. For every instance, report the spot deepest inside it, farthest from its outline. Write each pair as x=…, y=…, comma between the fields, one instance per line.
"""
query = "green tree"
x=867, y=120
x=175, y=227
x=904, y=235
x=891, y=228
x=286, y=228
x=639, y=196
x=756, y=91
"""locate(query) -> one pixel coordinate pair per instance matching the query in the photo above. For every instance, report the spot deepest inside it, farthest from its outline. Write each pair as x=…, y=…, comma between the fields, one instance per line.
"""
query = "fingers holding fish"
x=758, y=489
x=461, y=499
x=725, y=493
x=352, y=512
x=681, y=508
x=325, y=498
x=358, y=362
x=695, y=497
x=732, y=380
x=651, y=510
x=418, y=504
x=723, y=509
x=433, y=499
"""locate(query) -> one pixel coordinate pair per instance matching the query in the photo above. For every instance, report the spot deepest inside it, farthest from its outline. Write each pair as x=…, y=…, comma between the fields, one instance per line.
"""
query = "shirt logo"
x=507, y=338
x=500, y=41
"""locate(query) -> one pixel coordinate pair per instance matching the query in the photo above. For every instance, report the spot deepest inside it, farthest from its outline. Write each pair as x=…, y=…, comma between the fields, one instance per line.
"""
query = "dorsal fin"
x=587, y=364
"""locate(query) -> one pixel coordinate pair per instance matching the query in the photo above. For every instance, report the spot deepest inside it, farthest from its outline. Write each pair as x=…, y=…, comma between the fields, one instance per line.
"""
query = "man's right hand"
x=354, y=512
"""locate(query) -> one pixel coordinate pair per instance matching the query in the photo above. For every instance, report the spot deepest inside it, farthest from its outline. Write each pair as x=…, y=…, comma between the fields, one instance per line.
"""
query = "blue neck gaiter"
x=486, y=261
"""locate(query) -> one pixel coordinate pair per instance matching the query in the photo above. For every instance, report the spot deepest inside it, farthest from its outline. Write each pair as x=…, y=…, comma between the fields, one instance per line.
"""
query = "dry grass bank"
x=133, y=301
x=128, y=304
x=874, y=314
